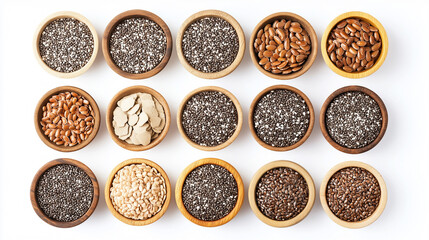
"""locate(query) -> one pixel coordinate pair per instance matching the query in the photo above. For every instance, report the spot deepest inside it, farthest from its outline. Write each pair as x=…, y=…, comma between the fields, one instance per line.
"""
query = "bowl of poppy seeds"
x=353, y=119
x=137, y=44
x=65, y=44
x=353, y=194
x=281, y=193
x=209, y=192
x=209, y=118
x=64, y=193
x=281, y=118
x=210, y=44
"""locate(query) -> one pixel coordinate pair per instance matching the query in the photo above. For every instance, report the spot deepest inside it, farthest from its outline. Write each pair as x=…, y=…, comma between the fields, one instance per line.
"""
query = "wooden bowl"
x=211, y=13
x=378, y=210
x=113, y=104
x=136, y=14
x=322, y=119
x=278, y=164
x=129, y=220
x=38, y=114
x=239, y=116
x=42, y=26
x=181, y=181
x=383, y=51
x=252, y=109
x=289, y=16
x=40, y=212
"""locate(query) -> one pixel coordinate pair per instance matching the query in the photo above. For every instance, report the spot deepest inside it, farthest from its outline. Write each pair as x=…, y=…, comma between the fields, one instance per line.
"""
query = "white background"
x=401, y=157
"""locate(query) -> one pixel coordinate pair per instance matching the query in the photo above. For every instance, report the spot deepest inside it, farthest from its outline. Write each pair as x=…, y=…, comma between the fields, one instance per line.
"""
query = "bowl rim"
x=384, y=46
x=181, y=181
x=252, y=109
x=38, y=116
x=378, y=211
x=125, y=92
x=307, y=26
x=353, y=88
x=277, y=164
x=135, y=13
x=35, y=181
x=109, y=184
x=241, y=41
x=237, y=107
x=42, y=26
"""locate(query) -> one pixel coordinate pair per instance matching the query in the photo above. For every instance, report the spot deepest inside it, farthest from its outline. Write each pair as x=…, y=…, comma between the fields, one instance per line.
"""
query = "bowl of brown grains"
x=65, y=44
x=137, y=192
x=67, y=118
x=210, y=44
x=353, y=194
x=283, y=45
x=281, y=193
x=354, y=45
x=137, y=44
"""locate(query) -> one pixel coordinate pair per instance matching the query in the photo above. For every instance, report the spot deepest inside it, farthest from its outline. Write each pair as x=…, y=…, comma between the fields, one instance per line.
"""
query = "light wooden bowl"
x=289, y=16
x=113, y=104
x=322, y=119
x=40, y=212
x=252, y=109
x=38, y=114
x=181, y=181
x=378, y=210
x=136, y=14
x=42, y=26
x=278, y=164
x=239, y=116
x=109, y=184
x=383, y=51
x=241, y=41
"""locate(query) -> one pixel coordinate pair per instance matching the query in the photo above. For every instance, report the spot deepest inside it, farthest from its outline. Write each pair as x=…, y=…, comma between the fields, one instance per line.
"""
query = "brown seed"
x=263, y=61
x=376, y=46
x=268, y=53
x=347, y=69
x=295, y=29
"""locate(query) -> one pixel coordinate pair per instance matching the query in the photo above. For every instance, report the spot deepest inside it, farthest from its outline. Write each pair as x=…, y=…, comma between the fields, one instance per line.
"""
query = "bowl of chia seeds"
x=137, y=44
x=353, y=119
x=281, y=118
x=281, y=193
x=64, y=193
x=210, y=44
x=353, y=194
x=65, y=44
x=209, y=118
x=209, y=192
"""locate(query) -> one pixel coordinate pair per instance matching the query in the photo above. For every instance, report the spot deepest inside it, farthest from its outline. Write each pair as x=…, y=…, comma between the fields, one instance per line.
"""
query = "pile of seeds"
x=138, y=119
x=138, y=191
x=210, y=44
x=137, y=45
x=209, y=118
x=353, y=119
x=66, y=45
x=354, y=45
x=67, y=119
x=209, y=192
x=281, y=193
x=281, y=118
x=353, y=194
x=64, y=193
x=282, y=47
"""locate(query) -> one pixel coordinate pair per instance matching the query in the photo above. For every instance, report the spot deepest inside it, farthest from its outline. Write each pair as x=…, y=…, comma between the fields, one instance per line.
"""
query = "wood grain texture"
x=322, y=119
x=383, y=51
x=181, y=181
x=38, y=115
x=109, y=184
x=234, y=24
x=136, y=14
x=289, y=16
x=378, y=210
x=40, y=212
